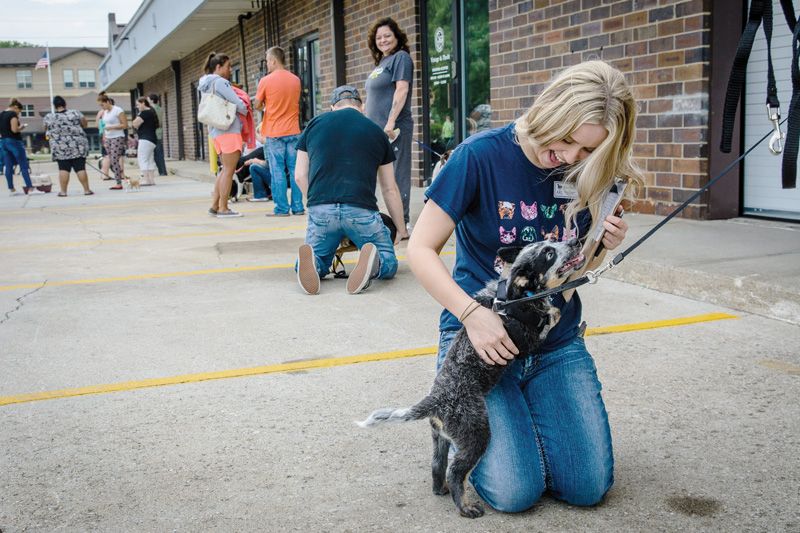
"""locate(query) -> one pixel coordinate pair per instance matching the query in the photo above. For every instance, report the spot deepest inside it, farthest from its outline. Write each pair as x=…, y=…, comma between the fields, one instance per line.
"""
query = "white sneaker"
x=366, y=269
x=307, y=275
x=258, y=199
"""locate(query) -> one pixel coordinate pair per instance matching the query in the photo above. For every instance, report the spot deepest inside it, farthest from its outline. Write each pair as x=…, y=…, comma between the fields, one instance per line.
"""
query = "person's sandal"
x=89, y=193
x=62, y=194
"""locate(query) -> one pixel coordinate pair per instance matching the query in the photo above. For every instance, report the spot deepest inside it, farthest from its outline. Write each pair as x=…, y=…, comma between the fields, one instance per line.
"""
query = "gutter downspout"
x=241, y=19
x=176, y=73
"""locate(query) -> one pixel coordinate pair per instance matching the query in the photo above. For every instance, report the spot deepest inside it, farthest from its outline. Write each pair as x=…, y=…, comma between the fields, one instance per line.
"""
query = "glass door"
x=456, y=81
x=307, y=68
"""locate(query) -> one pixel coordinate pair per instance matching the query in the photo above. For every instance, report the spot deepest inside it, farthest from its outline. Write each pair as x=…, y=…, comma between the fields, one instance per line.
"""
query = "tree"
x=16, y=44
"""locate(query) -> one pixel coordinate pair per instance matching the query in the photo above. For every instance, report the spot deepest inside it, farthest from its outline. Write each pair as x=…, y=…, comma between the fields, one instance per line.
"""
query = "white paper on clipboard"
x=593, y=249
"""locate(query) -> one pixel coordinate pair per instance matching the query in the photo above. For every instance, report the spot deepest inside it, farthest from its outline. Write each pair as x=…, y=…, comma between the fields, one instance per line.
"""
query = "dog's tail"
x=388, y=414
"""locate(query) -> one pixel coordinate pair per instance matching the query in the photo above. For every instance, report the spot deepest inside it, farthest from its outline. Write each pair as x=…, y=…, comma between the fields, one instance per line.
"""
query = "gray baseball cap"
x=345, y=92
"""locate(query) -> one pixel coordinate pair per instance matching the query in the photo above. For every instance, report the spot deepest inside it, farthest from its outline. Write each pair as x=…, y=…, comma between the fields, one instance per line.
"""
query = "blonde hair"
x=588, y=93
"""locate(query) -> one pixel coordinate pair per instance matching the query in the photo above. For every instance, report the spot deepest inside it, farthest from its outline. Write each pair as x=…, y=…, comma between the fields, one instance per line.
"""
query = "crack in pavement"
x=20, y=303
x=84, y=227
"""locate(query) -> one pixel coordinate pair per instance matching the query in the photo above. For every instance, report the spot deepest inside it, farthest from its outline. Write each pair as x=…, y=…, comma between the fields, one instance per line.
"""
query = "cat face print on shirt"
x=508, y=237
x=528, y=212
x=528, y=234
x=552, y=235
x=505, y=210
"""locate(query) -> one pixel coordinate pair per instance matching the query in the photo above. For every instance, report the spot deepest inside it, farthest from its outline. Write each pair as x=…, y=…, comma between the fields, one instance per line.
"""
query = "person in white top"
x=116, y=122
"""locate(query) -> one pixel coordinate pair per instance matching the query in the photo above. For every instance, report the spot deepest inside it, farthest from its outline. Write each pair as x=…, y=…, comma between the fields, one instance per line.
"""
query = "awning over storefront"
x=162, y=31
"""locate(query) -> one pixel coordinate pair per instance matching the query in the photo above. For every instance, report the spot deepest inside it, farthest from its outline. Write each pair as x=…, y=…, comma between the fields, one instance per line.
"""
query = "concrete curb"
x=741, y=293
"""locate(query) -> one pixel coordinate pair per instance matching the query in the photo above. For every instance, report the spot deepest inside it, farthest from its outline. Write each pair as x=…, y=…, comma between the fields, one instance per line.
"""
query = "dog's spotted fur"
x=456, y=406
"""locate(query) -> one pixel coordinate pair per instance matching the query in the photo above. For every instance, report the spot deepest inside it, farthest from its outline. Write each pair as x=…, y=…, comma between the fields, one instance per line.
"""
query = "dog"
x=455, y=405
x=133, y=184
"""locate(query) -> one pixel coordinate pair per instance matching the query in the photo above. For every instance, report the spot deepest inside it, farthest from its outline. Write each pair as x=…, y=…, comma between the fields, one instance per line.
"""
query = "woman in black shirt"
x=146, y=123
x=12, y=149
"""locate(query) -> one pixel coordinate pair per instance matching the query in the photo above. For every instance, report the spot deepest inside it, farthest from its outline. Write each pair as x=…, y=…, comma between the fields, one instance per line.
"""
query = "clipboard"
x=593, y=248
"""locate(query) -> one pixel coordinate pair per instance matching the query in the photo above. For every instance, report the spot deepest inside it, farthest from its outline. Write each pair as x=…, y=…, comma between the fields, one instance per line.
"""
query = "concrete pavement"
x=235, y=392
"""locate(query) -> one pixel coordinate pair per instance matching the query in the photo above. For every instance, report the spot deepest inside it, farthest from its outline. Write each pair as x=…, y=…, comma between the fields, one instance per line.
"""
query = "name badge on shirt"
x=564, y=190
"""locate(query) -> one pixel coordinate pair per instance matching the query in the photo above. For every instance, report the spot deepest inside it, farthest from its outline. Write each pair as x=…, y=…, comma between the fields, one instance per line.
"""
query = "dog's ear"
x=509, y=253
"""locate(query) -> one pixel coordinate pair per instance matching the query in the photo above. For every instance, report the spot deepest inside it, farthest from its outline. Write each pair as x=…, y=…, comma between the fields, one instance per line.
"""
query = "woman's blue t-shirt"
x=497, y=198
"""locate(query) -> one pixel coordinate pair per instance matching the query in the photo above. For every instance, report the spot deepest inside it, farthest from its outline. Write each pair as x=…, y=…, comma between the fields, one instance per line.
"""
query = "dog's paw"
x=474, y=510
x=441, y=491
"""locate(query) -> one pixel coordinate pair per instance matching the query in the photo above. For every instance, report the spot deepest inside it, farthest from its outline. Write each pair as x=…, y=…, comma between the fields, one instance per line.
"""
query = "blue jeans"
x=328, y=223
x=14, y=154
x=282, y=153
x=260, y=176
x=549, y=431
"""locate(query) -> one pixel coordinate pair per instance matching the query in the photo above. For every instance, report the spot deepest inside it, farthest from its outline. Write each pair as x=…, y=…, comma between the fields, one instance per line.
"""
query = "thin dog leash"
x=97, y=169
x=428, y=148
x=591, y=276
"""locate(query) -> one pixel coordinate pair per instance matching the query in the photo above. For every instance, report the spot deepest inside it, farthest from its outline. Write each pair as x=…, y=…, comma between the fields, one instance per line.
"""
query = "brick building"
x=480, y=64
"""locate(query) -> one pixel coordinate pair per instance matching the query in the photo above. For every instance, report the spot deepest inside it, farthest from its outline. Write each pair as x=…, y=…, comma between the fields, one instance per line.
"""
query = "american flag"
x=44, y=62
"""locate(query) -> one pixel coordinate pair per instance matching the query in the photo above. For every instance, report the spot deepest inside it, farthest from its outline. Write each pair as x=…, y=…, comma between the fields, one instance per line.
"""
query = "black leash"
x=500, y=304
x=428, y=148
x=97, y=169
x=761, y=12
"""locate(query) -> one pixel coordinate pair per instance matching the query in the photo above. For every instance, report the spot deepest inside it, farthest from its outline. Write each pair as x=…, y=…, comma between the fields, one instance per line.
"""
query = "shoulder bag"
x=215, y=111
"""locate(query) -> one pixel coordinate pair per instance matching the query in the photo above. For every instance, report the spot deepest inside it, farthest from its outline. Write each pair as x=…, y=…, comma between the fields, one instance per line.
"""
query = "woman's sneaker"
x=366, y=269
x=307, y=275
x=228, y=214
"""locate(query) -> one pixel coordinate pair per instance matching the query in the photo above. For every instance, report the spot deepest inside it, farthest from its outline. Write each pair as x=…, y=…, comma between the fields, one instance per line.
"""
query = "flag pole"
x=50, y=78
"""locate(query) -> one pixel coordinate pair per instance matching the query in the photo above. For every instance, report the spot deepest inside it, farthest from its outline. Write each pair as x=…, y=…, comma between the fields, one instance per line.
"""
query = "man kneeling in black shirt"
x=339, y=156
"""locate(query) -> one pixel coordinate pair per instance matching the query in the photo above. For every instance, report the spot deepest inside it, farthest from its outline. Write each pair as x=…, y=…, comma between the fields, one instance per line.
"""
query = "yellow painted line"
x=311, y=364
x=162, y=275
x=781, y=366
x=144, y=238
x=661, y=323
x=189, y=216
x=55, y=209
x=223, y=374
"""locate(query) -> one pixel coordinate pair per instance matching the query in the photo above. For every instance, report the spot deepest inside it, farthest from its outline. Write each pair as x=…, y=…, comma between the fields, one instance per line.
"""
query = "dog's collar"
x=501, y=303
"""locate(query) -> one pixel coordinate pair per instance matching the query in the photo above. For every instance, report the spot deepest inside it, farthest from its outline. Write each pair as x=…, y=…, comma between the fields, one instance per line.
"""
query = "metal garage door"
x=763, y=194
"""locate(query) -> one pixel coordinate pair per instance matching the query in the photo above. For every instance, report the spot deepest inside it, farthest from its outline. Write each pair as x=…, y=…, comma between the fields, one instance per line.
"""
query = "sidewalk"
x=744, y=263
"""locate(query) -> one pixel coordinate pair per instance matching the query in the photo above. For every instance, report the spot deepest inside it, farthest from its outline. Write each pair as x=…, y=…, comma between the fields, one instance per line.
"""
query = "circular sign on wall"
x=438, y=39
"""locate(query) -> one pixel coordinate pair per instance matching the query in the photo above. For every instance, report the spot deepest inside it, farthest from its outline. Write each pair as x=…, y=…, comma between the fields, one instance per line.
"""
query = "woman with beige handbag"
x=220, y=106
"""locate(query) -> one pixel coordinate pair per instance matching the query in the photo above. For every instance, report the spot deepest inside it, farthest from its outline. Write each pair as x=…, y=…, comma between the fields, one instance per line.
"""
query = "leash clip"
x=776, y=141
x=593, y=275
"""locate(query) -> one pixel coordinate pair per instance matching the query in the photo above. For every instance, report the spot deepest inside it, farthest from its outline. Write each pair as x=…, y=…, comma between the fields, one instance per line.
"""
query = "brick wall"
x=661, y=46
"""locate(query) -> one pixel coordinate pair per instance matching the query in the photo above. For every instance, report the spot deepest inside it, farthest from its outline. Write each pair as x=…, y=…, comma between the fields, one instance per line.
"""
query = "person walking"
x=155, y=103
x=146, y=124
x=116, y=122
x=389, y=98
x=227, y=143
x=550, y=429
x=69, y=144
x=105, y=161
x=340, y=189
x=13, y=149
x=278, y=95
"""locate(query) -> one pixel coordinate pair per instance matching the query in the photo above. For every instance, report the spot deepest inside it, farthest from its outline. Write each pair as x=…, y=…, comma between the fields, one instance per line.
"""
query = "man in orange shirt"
x=278, y=95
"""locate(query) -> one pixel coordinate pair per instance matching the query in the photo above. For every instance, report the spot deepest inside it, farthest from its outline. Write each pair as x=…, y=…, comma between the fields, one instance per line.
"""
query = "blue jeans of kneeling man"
x=549, y=431
x=329, y=223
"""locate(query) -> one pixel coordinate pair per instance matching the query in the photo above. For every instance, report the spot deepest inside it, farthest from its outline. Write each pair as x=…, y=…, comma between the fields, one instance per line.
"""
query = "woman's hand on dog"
x=489, y=338
x=615, y=230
